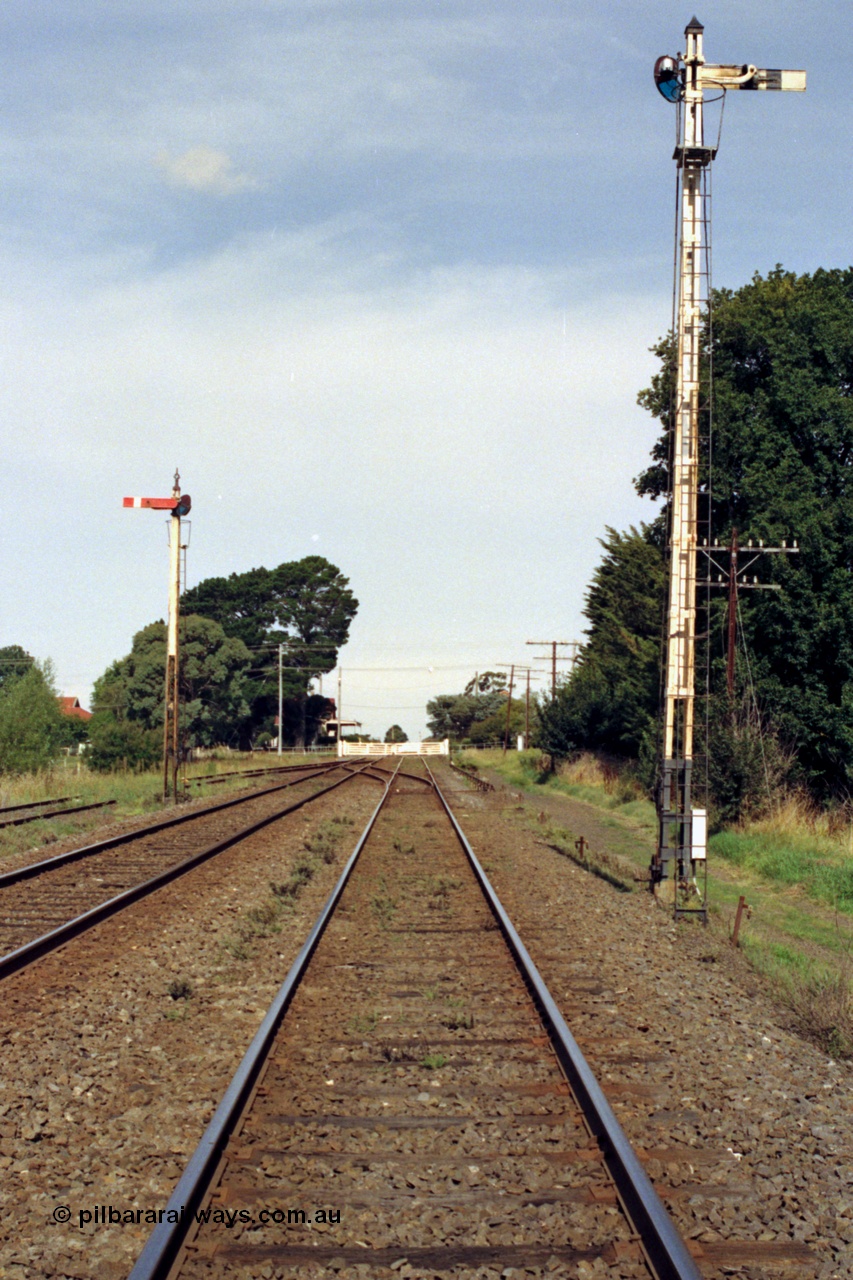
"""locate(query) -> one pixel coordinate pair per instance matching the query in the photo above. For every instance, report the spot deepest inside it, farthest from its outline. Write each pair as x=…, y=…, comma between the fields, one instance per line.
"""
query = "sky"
x=381, y=280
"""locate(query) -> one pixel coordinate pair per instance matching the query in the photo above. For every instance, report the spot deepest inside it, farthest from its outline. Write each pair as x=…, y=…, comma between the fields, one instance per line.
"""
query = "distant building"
x=71, y=707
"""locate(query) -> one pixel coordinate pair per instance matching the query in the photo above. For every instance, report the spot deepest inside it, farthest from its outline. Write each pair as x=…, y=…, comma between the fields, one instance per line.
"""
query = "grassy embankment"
x=794, y=869
x=135, y=794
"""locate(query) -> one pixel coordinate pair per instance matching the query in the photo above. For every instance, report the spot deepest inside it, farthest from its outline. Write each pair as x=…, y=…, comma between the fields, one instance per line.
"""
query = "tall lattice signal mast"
x=684, y=80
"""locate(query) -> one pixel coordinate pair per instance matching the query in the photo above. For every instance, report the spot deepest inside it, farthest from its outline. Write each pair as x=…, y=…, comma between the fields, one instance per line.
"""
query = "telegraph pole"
x=340, y=699
x=509, y=704
x=735, y=579
x=280, y=696
x=179, y=505
x=683, y=80
x=554, y=645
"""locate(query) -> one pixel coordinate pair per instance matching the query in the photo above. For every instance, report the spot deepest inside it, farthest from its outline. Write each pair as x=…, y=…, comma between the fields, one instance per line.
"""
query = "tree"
x=486, y=682
x=493, y=728
x=610, y=701
x=31, y=723
x=304, y=605
x=14, y=663
x=452, y=715
x=396, y=734
x=782, y=469
x=213, y=670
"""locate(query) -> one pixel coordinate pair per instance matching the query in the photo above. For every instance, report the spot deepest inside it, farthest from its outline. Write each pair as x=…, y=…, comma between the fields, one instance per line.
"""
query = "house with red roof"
x=71, y=707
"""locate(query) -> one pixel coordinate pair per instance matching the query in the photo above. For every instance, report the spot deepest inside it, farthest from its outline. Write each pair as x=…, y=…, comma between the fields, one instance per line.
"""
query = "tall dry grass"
x=586, y=770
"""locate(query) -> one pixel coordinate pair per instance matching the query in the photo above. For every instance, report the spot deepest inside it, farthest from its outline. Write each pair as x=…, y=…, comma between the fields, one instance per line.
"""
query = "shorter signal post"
x=179, y=505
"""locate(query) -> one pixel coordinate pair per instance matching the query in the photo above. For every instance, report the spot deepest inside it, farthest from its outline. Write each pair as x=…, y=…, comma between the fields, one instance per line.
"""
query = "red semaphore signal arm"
x=181, y=503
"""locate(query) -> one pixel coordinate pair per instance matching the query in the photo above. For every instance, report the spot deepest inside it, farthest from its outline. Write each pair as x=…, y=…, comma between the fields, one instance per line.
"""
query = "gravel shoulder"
x=727, y=1075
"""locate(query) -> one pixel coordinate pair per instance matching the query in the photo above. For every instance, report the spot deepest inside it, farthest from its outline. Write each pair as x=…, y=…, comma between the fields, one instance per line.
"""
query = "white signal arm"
x=746, y=76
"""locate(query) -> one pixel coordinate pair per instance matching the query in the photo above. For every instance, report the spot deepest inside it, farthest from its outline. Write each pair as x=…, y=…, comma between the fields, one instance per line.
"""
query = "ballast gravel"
x=669, y=1011
x=108, y=1081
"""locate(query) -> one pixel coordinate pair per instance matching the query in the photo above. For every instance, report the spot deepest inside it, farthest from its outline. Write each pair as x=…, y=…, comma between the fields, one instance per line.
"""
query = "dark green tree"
x=14, y=663
x=486, y=682
x=116, y=745
x=783, y=469
x=454, y=715
x=304, y=605
x=396, y=734
x=493, y=728
x=609, y=702
x=213, y=683
x=32, y=729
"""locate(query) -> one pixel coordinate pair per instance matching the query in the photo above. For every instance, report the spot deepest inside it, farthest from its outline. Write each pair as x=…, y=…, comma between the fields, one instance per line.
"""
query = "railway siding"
x=47, y=902
x=107, y=1081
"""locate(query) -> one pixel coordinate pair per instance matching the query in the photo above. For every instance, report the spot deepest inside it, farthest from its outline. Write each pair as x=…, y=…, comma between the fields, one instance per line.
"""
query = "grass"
x=181, y=991
x=820, y=866
x=363, y=1024
x=795, y=869
x=434, y=1061
x=135, y=795
x=264, y=918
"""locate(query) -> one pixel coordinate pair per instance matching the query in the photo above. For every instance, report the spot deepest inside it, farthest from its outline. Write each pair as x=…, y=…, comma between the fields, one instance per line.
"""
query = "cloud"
x=203, y=169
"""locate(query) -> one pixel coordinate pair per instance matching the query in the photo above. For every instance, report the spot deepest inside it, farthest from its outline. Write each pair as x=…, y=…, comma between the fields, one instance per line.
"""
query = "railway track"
x=213, y=779
x=413, y=1101
x=38, y=811
x=45, y=904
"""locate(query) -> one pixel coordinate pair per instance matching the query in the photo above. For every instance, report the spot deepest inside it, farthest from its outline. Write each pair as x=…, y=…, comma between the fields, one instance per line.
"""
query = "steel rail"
x=213, y=778
x=36, y=804
x=665, y=1250
x=18, y=959
x=664, y=1247
x=32, y=869
x=54, y=813
x=164, y=1243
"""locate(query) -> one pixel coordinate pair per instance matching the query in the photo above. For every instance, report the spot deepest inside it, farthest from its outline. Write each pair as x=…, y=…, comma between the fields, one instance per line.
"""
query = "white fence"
x=394, y=748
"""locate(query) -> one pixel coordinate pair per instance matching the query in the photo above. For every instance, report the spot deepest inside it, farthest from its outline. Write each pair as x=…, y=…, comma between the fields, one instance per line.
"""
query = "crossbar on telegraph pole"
x=555, y=657
x=178, y=505
x=684, y=79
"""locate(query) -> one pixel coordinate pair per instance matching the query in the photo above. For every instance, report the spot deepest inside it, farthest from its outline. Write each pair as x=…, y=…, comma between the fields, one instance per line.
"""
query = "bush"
x=32, y=728
x=115, y=746
x=747, y=767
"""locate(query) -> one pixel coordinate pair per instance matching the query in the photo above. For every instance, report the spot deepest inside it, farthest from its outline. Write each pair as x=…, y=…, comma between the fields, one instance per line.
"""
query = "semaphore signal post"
x=179, y=505
x=684, y=80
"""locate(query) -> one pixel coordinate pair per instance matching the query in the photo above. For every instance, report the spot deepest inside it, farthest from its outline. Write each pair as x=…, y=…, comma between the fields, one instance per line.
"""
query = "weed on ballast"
x=433, y=1061
x=264, y=918
x=443, y=886
x=406, y=849
x=181, y=991
x=287, y=890
x=362, y=1024
x=458, y=1021
x=323, y=844
x=383, y=907
x=236, y=948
